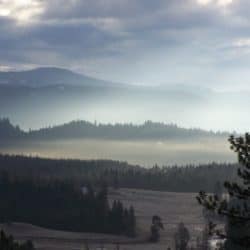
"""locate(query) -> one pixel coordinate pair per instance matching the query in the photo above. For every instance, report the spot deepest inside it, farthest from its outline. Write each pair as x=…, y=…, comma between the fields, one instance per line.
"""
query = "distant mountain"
x=48, y=76
x=44, y=96
x=87, y=130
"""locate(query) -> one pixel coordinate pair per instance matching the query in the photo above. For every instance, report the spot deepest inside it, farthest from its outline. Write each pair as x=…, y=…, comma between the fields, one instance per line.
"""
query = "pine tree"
x=131, y=222
x=237, y=208
x=156, y=226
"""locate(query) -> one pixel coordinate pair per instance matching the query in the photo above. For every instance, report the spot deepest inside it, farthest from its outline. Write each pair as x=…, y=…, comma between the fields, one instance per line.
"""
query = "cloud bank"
x=203, y=42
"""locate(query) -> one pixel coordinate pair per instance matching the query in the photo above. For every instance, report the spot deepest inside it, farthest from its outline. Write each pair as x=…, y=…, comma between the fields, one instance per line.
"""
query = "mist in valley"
x=145, y=153
x=33, y=103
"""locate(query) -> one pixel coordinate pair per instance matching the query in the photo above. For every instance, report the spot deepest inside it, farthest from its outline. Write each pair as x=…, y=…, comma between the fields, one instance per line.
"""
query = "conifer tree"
x=237, y=208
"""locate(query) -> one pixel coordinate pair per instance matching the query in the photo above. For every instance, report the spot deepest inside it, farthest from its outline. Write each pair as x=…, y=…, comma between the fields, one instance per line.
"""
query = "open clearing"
x=171, y=207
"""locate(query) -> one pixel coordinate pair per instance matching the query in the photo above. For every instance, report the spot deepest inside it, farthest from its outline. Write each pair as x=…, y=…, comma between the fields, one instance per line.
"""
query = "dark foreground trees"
x=63, y=206
x=8, y=243
x=156, y=227
x=182, y=237
x=236, y=206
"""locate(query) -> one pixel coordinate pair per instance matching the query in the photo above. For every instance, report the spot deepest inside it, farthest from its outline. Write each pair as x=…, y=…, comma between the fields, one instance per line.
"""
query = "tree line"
x=84, y=129
x=64, y=206
x=190, y=178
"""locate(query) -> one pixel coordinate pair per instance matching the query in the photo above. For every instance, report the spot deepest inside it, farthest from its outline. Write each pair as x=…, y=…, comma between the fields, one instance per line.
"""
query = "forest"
x=64, y=206
x=190, y=178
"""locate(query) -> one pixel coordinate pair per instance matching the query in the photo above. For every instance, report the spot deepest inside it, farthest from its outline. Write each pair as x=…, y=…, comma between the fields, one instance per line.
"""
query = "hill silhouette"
x=84, y=129
x=45, y=76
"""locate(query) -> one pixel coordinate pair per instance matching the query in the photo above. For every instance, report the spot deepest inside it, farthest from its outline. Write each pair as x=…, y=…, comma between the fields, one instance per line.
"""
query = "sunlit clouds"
x=215, y=2
x=20, y=10
x=139, y=42
x=242, y=42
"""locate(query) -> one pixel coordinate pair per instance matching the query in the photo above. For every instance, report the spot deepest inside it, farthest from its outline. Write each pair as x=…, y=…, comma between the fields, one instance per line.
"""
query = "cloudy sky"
x=198, y=42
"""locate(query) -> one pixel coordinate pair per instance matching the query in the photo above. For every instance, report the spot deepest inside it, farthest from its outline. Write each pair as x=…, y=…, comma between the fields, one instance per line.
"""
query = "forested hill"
x=117, y=174
x=83, y=129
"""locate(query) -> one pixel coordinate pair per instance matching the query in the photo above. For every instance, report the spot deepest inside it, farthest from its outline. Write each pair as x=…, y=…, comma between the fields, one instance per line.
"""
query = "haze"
x=183, y=62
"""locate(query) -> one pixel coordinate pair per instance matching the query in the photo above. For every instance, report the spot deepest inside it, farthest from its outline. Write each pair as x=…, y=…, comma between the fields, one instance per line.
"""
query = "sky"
x=145, y=42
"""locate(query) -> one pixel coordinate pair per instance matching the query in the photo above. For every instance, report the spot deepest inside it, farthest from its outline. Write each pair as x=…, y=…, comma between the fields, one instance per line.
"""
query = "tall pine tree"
x=236, y=208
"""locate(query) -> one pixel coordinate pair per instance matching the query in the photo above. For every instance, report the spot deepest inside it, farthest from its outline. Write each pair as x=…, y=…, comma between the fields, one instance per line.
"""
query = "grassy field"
x=171, y=207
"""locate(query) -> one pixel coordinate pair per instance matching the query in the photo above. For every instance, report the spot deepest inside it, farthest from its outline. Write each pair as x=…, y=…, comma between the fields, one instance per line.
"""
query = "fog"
x=189, y=108
x=145, y=153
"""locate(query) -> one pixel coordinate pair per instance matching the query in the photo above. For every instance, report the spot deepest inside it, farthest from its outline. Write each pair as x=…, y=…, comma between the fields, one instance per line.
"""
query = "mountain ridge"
x=46, y=76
